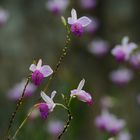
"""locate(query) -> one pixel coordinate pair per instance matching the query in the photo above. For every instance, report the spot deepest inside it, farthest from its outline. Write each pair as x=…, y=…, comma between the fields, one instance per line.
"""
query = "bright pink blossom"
x=78, y=24
x=40, y=72
x=81, y=94
x=48, y=106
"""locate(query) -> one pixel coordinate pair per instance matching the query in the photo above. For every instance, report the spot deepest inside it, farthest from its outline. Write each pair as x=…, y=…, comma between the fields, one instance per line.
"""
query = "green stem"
x=61, y=105
x=69, y=116
x=70, y=101
x=66, y=126
x=62, y=56
x=21, y=125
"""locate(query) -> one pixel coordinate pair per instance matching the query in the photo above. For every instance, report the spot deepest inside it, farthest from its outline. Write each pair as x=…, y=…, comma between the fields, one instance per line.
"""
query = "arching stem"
x=24, y=121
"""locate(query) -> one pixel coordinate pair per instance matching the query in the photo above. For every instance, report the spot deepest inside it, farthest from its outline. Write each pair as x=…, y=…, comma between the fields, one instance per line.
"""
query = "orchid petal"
x=81, y=84
x=70, y=20
x=125, y=40
x=46, y=70
x=46, y=98
x=53, y=94
x=39, y=64
x=74, y=14
x=32, y=67
x=84, y=21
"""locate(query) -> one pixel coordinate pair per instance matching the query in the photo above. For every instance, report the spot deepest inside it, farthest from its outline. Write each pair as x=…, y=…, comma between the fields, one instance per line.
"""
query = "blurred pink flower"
x=122, y=52
x=81, y=94
x=55, y=127
x=57, y=6
x=40, y=72
x=4, y=15
x=99, y=47
x=77, y=25
x=48, y=106
x=88, y=4
x=16, y=92
x=121, y=76
x=93, y=26
x=107, y=102
x=34, y=114
x=124, y=135
x=135, y=60
x=109, y=123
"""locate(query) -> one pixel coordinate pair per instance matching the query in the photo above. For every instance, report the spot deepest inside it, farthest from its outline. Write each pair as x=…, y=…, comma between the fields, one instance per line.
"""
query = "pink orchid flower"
x=109, y=123
x=81, y=94
x=78, y=24
x=48, y=106
x=57, y=6
x=122, y=52
x=40, y=72
x=121, y=76
x=16, y=92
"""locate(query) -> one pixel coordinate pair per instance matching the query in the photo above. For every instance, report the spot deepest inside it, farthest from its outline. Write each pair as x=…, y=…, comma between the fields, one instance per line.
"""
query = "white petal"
x=84, y=21
x=46, y=98
x=46, y=70
x=70, y=20
x=32, y=67
x=74, y=14
x=53, y=94
x=39, y=64
x=125, y=40
x=81, y=84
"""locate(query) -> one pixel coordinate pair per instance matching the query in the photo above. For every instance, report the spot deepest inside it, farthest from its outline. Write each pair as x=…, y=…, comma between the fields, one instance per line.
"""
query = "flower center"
x=37, y=77
x=77, y=29
x=44, y=110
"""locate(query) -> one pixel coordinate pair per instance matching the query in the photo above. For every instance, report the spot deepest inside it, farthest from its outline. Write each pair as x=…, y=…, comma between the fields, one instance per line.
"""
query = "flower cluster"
x=48, y=106
x=109, y=123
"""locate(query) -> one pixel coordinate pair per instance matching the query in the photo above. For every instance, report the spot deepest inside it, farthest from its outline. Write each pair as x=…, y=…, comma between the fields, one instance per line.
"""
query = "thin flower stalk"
x=19, y=103
x=62, y=56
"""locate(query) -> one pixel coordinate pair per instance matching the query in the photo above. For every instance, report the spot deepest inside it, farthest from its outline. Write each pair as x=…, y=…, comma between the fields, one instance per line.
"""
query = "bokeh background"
x=31, y=31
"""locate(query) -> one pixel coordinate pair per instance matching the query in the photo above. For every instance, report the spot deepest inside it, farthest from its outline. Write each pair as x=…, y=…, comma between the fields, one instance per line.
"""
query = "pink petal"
x=32, y=67
x=46, y=70
x=84, y=21
x=84, y=96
